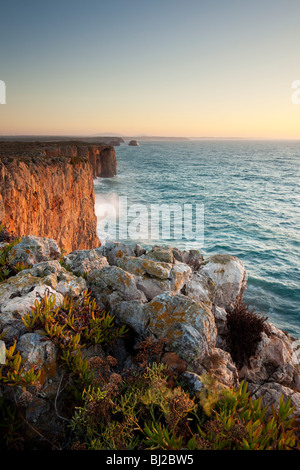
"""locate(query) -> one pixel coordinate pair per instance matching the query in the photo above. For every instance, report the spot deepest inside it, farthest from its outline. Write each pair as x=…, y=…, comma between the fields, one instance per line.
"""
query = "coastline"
x=164, y=304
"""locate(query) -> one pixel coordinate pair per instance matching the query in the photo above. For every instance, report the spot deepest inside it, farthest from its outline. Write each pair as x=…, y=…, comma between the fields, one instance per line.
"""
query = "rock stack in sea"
x=133, y=143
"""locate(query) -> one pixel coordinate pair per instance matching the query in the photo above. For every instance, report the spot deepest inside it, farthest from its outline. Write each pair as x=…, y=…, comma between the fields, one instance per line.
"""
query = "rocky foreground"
x=164, y=293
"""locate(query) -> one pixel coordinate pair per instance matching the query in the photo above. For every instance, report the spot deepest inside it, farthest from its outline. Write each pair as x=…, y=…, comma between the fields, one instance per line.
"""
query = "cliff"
x=102, y=159
x=48, y=196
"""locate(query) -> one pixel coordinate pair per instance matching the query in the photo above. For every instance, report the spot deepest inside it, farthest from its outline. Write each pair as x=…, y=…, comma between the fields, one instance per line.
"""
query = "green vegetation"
x=13, y=377
x=144, y=411
x=7, y=255
x=13, y=374
x=71, y=326
x=145, y=407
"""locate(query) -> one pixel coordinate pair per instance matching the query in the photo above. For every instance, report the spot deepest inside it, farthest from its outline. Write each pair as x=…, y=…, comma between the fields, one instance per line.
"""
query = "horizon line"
x=116, y=135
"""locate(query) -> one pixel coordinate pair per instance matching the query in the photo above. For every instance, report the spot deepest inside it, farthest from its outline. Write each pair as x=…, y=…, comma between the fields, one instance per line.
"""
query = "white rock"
x=2, y=352
x=200, y=288
x=152, y=287
x=19, y=293
x=180, y=274
x=141, y=266
x=230, y=278
x=220, y=365
x=272, y=361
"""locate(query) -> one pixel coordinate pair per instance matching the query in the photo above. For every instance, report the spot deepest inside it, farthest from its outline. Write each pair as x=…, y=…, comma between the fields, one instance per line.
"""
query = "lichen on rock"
x=188, y=325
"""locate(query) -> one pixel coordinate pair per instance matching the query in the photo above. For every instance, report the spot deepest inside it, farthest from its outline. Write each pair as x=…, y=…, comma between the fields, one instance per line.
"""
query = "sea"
x=236, y=197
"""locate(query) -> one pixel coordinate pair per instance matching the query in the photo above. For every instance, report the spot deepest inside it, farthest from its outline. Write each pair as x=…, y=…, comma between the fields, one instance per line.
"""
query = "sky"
x=192, y=68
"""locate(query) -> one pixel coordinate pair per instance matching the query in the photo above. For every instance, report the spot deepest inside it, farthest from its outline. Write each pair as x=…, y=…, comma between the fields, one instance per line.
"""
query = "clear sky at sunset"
x=219, y=68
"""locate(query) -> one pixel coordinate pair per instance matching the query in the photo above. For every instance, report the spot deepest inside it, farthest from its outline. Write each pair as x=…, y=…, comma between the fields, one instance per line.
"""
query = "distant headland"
x=109, y=139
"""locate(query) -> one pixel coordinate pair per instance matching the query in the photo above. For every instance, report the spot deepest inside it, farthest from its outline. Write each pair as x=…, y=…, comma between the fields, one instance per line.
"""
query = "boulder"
x=133, y=143
x=59, y=278
x=130, y=313
x=273, y=360
x=219, y=364
x=271, y=393
x=113, y=251
x=83, y=261
x=193, y=258
x=220, y=316
x=154, y=277
x=160, y=253
x=70, y=285
x=141, y=266
x=169, y=254
x=187, y=325
x=200, y=288
x=180, y=274
x=152, y=287
x=113, y=283
x=32, y=250
x=229, y=276
x=42, y=355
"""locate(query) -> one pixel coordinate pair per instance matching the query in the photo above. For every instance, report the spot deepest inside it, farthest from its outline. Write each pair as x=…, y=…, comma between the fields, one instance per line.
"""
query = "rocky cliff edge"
x=49, y=196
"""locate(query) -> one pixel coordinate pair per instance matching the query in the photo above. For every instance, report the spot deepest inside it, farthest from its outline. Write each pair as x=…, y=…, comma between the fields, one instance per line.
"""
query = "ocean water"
x=249, y=195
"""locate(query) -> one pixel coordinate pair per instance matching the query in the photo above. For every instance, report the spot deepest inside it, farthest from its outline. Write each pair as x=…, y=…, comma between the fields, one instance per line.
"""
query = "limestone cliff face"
x=49, y=196
x=102, y=159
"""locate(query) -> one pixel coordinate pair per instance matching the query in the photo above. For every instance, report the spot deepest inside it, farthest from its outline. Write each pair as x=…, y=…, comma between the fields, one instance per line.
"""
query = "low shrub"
x=244, y=328
x=7, y=255
x=142, y=411
x=71, y=326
